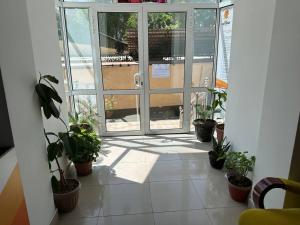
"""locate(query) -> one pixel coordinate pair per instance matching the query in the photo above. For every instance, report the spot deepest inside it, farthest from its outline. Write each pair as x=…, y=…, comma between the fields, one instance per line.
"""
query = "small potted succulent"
x=204, y=122
x=218, y=155
x=238, y=165
x=65, y=191
x=82, y=147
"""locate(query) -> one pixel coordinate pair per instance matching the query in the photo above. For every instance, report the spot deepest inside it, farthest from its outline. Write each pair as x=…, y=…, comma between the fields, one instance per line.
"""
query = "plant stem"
x=64, y=124
x=62, y=180
x=40, y=77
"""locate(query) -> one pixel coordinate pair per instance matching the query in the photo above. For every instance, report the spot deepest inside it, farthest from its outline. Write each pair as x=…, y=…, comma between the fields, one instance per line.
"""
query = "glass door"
x=150, y=63
x=120, y=69
x=165, y=51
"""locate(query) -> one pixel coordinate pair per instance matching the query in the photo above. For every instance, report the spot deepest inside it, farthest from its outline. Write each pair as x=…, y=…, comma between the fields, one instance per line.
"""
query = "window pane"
x=80, y=50
x=68, y=101
x=61, y=47
x=224, y=47
x=118, y=33
x=86, y=107
x=122, y=112
x=204, y=47
x=166, y=111
x=167, y=35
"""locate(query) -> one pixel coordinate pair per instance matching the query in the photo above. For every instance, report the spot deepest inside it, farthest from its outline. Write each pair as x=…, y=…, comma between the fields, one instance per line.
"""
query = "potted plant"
x=82, y=120
x=109, y=103
x=82, y=147
x=218, y=155
x=238, y=165
x=85, y=114
x=220, y=97
x=204, y=122
x=65, y=191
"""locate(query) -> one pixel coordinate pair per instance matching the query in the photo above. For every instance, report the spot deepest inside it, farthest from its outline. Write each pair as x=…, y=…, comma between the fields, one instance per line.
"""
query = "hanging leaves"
x=55, y=150
x=51, y=78
x=47, y=95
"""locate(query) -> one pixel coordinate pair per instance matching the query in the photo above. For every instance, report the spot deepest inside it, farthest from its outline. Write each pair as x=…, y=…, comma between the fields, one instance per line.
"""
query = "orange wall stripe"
x=12, y=202
x=21, y=217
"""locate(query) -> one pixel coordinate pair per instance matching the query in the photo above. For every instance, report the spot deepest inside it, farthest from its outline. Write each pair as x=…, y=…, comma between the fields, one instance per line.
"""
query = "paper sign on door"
x=160, y=70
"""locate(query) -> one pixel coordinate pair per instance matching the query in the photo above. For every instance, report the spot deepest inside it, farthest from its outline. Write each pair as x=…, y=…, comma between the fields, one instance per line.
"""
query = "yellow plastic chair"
x=262, y=216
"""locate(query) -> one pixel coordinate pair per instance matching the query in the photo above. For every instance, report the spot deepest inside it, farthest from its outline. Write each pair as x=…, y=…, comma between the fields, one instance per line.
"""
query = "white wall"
x=281, y=107
x=252, y=30
x=44, y=36
x=264, y=94
x=45, y=43
x=27, y=47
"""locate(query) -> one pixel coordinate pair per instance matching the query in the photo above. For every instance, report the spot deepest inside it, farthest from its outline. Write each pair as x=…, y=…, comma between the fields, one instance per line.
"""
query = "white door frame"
x=142, y=9
x=99, y=82
x=184, y=90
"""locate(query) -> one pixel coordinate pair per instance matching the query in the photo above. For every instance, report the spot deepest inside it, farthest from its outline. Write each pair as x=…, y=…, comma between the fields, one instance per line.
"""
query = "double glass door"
x=144, y=55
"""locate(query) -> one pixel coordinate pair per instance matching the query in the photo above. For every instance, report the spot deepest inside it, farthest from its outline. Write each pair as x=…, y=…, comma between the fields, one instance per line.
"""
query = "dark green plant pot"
x=205, y=129
x=216, y=164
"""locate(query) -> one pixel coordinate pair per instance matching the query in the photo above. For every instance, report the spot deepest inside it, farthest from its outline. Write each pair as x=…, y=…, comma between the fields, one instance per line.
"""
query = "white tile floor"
x=154, y=180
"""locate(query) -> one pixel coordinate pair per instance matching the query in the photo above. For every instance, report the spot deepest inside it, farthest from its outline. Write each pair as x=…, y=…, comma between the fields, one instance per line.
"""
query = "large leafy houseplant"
x=82, y=147
x=238, y=165
x=65, y=191
x=204, y=122
x=218, y=155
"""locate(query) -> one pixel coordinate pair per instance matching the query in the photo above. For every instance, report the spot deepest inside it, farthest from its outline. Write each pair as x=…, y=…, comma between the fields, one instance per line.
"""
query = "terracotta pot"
x=108, y=114
x=66, y=202
x=83, y=169
x=220, y=131
x=216, y=164
x=204, y=129
x=237, y=193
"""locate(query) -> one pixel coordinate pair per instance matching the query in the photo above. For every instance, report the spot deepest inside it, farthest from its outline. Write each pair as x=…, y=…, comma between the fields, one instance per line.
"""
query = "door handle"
x=138, y=81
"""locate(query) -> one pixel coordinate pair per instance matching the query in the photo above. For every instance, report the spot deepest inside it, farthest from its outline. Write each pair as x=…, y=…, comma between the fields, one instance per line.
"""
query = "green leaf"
x=60, y=149
x=52, y=150
x=54, y=111
x=75, y=129
x=51, y=78
x=47, y=111
x=215, y=104
x=42, y=93
x=52, y=93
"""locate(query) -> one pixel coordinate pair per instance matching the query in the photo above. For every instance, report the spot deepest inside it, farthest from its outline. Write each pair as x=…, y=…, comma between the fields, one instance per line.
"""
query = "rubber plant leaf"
x=42, y=93
x=51, y=78
x=52, y=150
x=47, y=111
x=51, y=93
x=54, y=111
